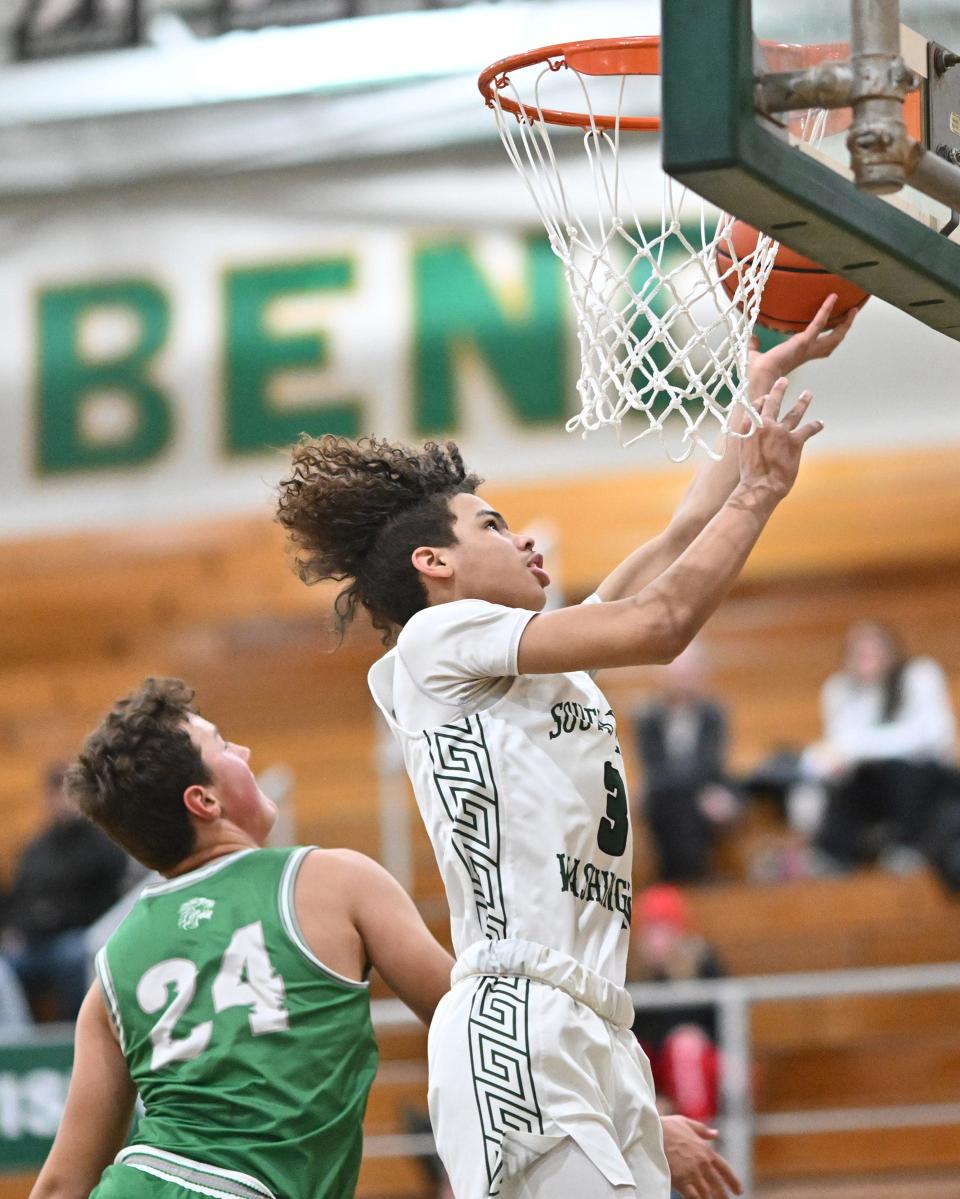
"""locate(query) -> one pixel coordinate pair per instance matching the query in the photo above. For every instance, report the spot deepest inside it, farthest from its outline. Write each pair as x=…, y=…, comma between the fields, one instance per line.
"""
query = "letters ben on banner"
x=160, y=376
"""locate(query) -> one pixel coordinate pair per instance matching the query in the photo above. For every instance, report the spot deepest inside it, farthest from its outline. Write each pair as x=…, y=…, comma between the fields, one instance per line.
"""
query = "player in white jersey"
x=537, y=1086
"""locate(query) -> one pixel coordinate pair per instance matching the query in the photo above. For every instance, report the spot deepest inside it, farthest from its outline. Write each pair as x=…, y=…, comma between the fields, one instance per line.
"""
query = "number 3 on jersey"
x=246, y=978
x=615, y=826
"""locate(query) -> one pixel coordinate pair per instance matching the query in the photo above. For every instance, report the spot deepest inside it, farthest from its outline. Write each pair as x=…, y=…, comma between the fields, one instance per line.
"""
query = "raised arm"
x=354, y=914
x=661, y=619
x=98, y=1111
x=412, y=962
x=714, y=481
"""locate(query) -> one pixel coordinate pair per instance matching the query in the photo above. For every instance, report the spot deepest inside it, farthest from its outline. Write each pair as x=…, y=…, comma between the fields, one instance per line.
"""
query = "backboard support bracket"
x=714, y=143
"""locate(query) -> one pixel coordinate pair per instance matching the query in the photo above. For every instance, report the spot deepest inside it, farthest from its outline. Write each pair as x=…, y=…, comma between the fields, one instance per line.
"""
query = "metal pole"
x=878, y=141
x=883, y=155
x=737, y=1099
x=824, y=85
x=934, y=176
x=396, y=834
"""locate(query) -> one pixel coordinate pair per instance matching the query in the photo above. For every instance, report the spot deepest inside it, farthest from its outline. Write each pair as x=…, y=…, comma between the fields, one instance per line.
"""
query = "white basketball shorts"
x=528, y=1048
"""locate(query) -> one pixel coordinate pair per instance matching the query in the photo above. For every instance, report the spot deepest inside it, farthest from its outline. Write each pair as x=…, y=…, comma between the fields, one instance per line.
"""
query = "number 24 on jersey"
x=246, y=978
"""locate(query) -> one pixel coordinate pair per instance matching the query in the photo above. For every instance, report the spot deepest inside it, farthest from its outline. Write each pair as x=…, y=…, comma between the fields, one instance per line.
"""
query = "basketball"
x=795, y=289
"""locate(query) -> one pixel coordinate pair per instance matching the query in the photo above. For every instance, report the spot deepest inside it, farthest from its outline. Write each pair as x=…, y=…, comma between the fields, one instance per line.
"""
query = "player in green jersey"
x=233, y=997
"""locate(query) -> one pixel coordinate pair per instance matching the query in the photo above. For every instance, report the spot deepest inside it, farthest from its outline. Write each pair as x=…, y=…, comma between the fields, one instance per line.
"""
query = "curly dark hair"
x=133, y=769
x=356, y=510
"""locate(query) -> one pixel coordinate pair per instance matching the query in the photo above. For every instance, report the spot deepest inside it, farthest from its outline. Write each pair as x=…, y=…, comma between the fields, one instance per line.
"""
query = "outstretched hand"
x=697, y=1171
x=770, y=456
x=816, y=341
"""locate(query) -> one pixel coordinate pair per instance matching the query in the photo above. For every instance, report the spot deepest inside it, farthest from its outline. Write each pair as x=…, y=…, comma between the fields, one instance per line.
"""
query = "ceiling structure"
x=295, y=83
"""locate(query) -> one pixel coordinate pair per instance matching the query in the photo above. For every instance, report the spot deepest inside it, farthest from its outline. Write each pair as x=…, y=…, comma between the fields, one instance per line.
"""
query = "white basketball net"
x=659, y=335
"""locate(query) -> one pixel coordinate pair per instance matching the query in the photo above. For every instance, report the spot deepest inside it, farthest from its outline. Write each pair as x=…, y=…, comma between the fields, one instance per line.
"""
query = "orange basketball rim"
x=598, y=56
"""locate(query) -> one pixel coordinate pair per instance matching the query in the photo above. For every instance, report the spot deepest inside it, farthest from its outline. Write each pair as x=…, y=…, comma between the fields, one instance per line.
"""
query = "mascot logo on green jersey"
x=193, y=911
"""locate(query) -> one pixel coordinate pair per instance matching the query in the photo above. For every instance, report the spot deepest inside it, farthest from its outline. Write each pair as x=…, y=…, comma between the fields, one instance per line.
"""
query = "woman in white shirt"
x=537, y=1086
x=888, y=728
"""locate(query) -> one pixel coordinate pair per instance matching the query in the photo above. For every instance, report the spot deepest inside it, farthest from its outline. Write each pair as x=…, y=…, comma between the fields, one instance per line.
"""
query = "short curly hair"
x=133, y=769
x=356, y=510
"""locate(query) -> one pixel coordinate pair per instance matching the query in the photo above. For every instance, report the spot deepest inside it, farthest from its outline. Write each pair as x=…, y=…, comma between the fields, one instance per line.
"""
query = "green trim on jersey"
x=253, y=1059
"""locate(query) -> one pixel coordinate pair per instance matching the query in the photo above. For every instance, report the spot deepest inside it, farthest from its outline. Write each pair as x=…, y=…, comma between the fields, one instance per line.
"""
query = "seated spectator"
x=942, y=837
x=66, y=877
x=888, y=735
x=681, y=740
x=679, y=1041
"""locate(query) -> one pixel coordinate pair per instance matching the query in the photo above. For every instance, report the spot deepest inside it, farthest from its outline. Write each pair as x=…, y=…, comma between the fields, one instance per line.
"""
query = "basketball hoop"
x=663, y=343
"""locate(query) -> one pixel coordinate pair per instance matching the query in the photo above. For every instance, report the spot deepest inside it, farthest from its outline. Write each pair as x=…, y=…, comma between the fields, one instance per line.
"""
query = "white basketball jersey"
x=519, y=780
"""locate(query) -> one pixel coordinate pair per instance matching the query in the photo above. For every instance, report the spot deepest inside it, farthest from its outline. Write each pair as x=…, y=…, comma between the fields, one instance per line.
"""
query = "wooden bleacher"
x=82, y=619
x=869, y=918
x=849, y=1051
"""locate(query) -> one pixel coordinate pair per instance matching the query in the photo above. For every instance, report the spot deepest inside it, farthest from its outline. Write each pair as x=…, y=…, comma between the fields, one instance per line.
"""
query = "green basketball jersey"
x=251, y=1057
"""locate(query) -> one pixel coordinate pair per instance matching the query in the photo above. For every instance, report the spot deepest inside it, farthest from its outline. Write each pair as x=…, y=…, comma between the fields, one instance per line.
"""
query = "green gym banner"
x=33, y=1088
x=159, y=350
x=155, y=365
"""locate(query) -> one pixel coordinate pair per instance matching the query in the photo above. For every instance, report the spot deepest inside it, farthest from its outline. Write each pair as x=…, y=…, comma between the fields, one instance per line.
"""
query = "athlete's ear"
x=201, y=803
x=432, y=562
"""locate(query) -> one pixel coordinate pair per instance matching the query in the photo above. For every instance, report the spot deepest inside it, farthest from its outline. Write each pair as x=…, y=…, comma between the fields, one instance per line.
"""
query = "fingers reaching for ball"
x=770, y=456
x=817, y=340
x=796, y=414
x=770, y=403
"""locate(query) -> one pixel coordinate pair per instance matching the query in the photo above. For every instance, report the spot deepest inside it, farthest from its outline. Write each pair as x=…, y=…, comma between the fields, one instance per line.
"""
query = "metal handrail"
x=393, y=1013
x=881, y=980
x=733, y=998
